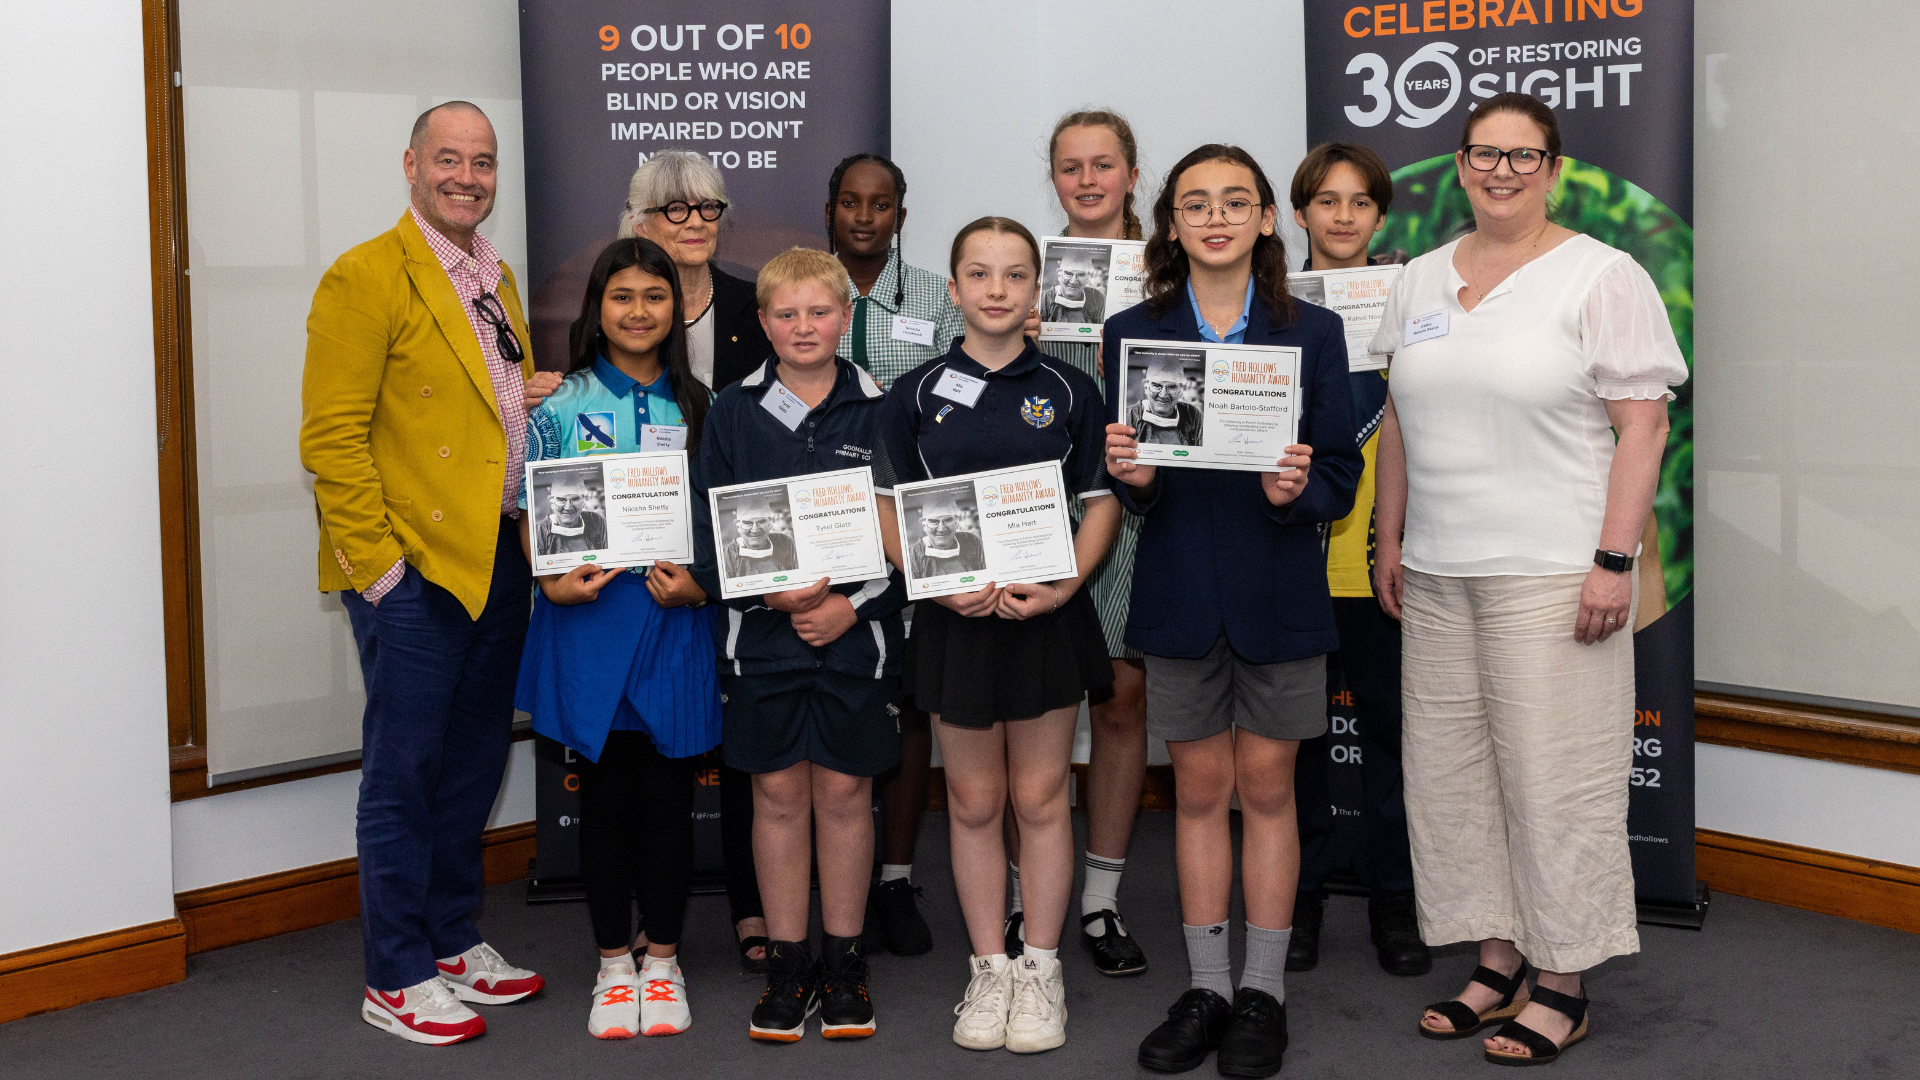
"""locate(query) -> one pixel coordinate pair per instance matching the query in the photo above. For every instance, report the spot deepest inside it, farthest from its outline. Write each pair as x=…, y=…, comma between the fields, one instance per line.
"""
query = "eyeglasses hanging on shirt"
x=489, y=308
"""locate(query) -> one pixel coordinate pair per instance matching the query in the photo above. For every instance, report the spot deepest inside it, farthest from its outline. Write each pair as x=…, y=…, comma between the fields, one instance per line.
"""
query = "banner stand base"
x=1680, y=916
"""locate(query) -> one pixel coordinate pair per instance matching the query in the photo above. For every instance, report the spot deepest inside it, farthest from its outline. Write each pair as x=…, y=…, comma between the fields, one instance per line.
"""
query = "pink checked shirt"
x=474, y=276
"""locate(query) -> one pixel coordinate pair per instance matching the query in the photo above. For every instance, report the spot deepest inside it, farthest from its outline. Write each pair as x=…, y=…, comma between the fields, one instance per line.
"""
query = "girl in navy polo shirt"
x=619, y=664
x=1003, y=670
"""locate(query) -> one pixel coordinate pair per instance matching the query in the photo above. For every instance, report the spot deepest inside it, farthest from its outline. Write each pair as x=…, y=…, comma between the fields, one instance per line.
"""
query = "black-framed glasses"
x=679, y=210
x=495, y=315
x=1233, y=211
x=1524, y=160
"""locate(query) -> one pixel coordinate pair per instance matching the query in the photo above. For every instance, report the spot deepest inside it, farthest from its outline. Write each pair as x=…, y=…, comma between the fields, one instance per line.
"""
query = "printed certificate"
x=1211, y=406
x=1083, y=281
x=1358, y=295
x=609, y=510
x=1008, y=525
x=775, y=535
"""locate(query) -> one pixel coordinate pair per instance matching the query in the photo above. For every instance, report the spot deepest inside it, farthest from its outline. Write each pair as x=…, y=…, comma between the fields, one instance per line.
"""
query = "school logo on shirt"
x=1221, y=371
x=942, y=414
x=1037, y=411
x=592, y=431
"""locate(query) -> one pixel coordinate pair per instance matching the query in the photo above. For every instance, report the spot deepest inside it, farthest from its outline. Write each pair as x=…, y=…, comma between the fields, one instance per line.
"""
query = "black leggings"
x=736, y=843
x=636, y=839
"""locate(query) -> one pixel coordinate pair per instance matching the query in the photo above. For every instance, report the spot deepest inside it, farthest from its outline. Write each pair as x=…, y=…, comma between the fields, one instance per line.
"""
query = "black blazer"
x=739, y=344
x=1215, y=557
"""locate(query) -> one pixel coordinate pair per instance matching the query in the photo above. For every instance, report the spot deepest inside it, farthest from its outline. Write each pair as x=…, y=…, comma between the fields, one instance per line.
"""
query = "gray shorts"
x=1195, y=699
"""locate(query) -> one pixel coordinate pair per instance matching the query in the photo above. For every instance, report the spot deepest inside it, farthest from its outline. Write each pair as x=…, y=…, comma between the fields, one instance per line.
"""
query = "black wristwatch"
x=1617, y=561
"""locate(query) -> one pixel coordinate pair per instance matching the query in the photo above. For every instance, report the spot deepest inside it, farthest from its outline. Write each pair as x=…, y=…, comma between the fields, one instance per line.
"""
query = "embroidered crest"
x=592, y=431
x=1037, y=411
x=942, y=414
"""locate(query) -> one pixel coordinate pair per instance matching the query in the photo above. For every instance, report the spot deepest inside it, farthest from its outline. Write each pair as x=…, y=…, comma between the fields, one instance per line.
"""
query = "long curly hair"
x=1167, y=268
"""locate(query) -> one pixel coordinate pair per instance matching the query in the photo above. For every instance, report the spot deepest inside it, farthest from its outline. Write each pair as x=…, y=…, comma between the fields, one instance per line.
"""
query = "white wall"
x=1816, y=804
x=83, y=780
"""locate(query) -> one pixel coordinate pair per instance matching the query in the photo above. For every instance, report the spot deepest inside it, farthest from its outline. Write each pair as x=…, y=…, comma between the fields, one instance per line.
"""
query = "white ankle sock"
x=891, y=871
x=624, y=958
x=1043, y=954
x=1101, y=892
x=1013, y=875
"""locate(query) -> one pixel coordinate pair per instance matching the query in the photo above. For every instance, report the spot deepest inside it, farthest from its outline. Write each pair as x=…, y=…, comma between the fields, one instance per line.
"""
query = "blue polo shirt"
x=1034, y=409
x=1237, y=333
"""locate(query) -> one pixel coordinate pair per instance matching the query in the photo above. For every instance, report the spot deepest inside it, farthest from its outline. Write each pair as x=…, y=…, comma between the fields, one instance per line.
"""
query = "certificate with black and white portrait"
x=787, y=534
x=1358, y=294
x=1083, y=281
x=1210, y=406
x=1006, y=525
x=609, y=510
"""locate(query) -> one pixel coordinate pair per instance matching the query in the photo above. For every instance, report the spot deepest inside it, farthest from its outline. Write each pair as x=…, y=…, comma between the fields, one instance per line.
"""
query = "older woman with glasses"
x=677, y=199
x=1520, y=453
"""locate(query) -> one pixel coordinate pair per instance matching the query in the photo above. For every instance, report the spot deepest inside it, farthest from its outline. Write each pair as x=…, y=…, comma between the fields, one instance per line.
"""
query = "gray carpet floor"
x=1763, y=992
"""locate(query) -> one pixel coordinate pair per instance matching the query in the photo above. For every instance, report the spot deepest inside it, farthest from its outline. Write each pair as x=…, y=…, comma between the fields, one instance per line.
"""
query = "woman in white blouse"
x=1521, y=352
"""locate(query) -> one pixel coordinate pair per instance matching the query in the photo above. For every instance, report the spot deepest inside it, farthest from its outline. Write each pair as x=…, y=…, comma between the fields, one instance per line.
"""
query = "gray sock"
x=1267, y=961
x=1208, y=960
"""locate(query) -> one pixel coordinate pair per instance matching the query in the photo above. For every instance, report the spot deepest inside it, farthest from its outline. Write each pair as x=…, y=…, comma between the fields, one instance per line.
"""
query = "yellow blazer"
x=398, y=421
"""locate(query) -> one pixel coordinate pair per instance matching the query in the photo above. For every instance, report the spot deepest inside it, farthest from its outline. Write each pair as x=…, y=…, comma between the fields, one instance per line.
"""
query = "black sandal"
x=1464, y=1020
x=748, y=965
x=1544, y=1051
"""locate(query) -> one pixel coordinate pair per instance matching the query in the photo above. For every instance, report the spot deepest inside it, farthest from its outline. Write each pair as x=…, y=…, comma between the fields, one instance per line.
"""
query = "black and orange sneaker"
x=846, y=1012
x=791, y=996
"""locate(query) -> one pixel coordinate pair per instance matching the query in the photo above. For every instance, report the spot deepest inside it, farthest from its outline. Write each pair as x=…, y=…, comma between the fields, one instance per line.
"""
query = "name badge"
x=917, y=331
x=1426, y=326
x=955, y=386
x=662, y=437
x=785, y=406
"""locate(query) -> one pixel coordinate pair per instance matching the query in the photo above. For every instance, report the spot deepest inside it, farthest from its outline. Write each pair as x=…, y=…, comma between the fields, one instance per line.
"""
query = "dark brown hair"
x=1320, y=161
x=991, y=223
x=587, y=341
x=1167, y=269
x=1525, y=105
x=1123, y=131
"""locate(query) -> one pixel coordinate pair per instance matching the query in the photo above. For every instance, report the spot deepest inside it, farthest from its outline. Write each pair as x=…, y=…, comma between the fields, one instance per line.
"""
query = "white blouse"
x=1507, y=439
x=700, y=346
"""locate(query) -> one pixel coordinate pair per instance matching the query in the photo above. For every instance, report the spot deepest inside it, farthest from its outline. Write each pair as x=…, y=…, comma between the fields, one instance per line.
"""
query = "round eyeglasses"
x=1524, y=160
x=679, y=210
x=1196, y=213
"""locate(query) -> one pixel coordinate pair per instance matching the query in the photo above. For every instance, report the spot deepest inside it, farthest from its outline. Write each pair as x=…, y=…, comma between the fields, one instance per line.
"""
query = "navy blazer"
x=1215, y=556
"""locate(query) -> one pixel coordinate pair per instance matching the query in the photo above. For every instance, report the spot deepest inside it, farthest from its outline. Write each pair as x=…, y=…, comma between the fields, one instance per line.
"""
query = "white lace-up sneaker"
x=482, y=975
x=424, y=1013
x=663, y=1001
x=982, y=1023
x=616, y=1003
x=1038, y=1019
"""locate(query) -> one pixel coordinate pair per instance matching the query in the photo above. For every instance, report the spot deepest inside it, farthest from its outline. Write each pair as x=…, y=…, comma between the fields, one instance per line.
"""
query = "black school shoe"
x=1396, y=935
x=792, y=993
x=1016, y=933
x=845, y=1010
x=1114, y=951
x=1303, y=948
x=1192, y=1029
x=1256, y=1037
x=894, y=905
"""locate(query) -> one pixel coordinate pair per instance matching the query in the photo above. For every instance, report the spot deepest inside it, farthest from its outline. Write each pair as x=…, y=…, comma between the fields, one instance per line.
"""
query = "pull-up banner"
x=1618, y=74
x=775, y=95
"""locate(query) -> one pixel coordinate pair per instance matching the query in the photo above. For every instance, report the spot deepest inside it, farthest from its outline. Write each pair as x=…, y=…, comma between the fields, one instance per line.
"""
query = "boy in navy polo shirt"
x=808, y=676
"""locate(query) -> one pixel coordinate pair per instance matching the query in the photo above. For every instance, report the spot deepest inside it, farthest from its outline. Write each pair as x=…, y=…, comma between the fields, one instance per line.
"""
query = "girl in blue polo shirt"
x=619, y=664
x=1003, y=670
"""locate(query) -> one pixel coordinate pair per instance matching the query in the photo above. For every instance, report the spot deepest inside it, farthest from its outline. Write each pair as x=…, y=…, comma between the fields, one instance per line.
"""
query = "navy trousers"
x=1369, y=655
x=433, y=750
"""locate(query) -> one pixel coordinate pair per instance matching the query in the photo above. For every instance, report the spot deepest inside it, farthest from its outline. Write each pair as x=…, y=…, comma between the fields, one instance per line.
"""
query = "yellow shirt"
x=1350, y=545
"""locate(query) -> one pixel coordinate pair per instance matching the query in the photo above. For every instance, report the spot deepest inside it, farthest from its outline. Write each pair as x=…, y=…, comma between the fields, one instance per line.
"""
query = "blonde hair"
x=664, y=177
x=796, y=265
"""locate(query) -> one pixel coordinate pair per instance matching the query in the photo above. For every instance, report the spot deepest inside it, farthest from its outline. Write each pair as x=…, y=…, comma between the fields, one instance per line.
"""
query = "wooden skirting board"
x=90, y=968
x=1884, y=894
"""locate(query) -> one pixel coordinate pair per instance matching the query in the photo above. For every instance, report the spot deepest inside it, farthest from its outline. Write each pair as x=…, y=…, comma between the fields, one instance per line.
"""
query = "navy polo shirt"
x=1034, y=409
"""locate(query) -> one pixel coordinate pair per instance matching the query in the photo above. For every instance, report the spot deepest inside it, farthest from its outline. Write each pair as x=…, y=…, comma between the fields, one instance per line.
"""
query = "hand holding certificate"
x=1082, y=281
x=961, y=533
x=797, y=533
x=611, y=510
x=1210, y=406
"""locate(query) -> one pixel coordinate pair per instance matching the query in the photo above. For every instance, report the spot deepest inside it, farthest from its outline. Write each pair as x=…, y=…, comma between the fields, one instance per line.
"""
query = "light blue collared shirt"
x=1237, y=333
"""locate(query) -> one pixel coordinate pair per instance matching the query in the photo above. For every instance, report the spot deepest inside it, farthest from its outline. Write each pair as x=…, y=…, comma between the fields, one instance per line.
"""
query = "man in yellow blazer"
x=413, y=423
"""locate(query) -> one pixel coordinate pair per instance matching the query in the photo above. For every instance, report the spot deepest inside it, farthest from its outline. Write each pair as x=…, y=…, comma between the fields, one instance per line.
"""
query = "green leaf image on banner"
x=1430, y=209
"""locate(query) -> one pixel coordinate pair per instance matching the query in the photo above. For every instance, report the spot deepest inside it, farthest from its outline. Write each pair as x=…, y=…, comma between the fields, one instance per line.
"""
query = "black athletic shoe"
x=894, y=905
x=1396, y=934
x=1114, y=950
x=1192, y=1029
x=1016, y=933
x=1303, y=948
x=791, y=996
x=1256, y=1037
x=845, y=1010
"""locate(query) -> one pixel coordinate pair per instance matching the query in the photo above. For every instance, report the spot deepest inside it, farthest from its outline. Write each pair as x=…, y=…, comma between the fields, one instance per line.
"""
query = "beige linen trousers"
x=1517, y=750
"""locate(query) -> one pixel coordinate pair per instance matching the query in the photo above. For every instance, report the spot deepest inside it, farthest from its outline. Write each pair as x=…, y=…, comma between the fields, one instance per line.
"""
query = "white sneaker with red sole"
x=663, y=1002
x=483, y=976
x=425, y=1013
x=616, y=1004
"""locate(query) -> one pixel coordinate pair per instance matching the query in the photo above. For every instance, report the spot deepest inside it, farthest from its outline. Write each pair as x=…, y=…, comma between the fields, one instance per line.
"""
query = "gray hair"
x=668, y=175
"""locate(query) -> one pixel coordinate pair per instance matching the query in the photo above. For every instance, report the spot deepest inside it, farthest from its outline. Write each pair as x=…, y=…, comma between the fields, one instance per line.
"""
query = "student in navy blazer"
x=1230, y=602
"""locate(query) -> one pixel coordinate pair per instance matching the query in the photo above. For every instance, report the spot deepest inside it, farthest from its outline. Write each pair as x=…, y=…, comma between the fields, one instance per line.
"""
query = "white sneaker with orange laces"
x=427, y=1012
x=616, y=1004
x=482, y=975
x=663, y=1002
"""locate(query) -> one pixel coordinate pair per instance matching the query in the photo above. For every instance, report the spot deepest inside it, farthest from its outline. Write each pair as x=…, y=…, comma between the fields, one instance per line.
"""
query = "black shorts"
x=841, y=722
